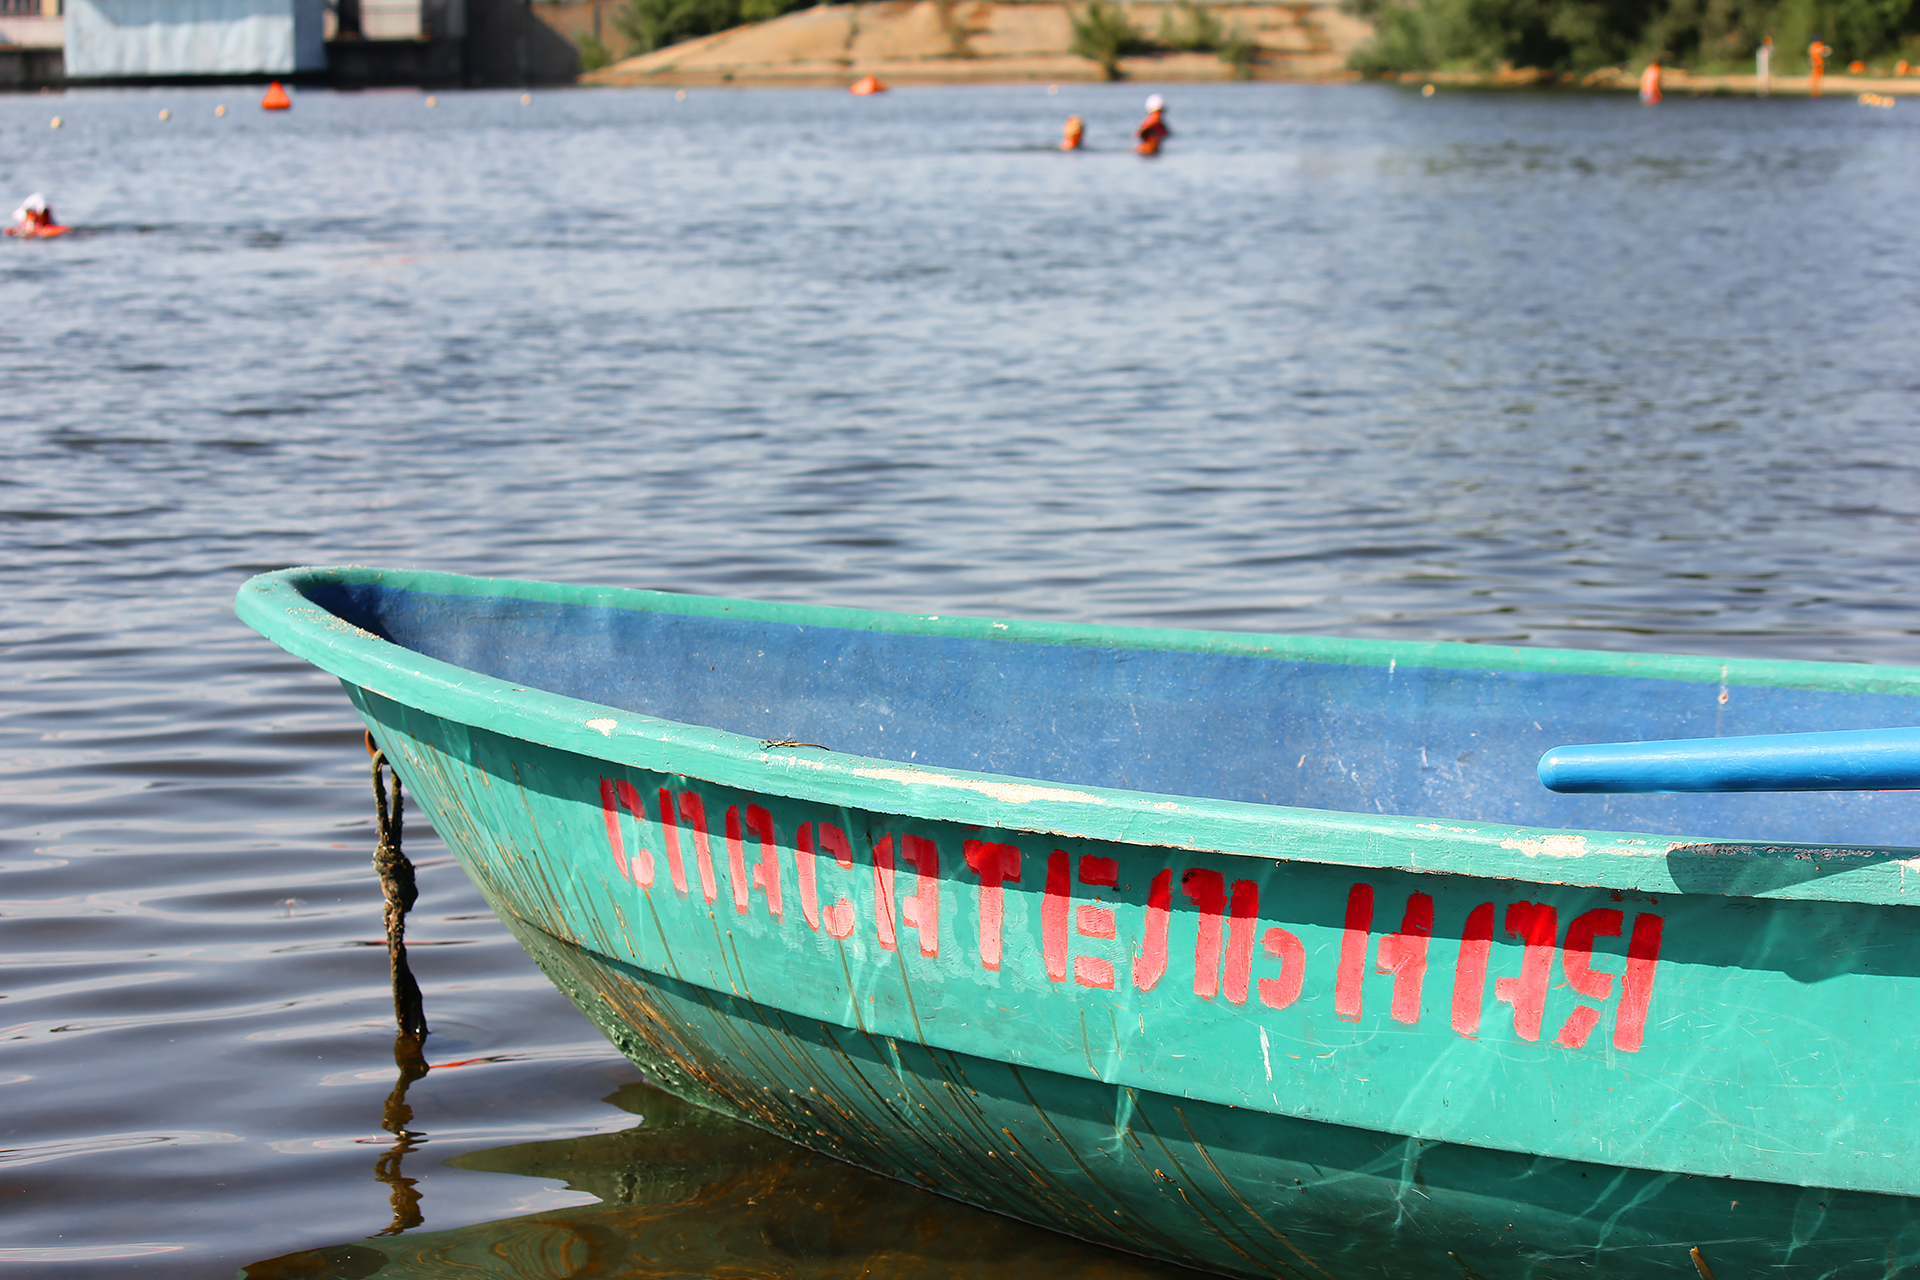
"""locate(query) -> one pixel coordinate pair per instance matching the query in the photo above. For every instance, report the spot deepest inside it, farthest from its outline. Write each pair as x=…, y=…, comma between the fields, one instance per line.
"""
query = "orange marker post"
x=276, y=99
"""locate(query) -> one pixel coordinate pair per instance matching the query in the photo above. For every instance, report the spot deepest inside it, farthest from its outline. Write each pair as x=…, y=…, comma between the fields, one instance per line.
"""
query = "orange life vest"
x=1151, y=133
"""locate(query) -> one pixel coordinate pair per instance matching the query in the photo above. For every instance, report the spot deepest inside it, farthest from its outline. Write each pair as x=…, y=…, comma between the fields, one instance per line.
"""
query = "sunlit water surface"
x=1549, y=370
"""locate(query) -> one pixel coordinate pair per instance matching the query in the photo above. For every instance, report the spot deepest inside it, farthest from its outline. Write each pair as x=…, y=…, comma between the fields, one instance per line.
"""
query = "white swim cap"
x=1156, y=103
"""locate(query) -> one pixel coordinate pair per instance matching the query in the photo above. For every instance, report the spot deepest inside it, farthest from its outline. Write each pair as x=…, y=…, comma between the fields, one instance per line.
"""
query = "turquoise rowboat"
x=1268, y=955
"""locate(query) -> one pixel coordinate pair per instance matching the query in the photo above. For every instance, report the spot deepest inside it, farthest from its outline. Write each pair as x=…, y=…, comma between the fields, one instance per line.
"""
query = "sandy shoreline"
x=982, y=42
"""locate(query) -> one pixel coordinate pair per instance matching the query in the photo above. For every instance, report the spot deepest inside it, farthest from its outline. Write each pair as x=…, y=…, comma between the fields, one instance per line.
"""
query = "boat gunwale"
x=275, y=605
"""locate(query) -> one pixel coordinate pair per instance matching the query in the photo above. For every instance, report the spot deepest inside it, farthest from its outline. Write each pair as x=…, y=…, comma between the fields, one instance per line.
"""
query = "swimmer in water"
x=1070, y=136
x=32, y=217
x=1153, y=130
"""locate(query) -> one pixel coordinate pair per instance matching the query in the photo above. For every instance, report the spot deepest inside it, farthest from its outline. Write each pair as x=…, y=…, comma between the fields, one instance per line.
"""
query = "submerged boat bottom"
x=1232, y=1190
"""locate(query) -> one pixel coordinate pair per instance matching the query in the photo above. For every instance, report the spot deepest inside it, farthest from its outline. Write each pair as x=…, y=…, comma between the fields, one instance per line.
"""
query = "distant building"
x=141, y=39
x=30, y=24
x=397, y=19
x=345, y=43
x=31, y=35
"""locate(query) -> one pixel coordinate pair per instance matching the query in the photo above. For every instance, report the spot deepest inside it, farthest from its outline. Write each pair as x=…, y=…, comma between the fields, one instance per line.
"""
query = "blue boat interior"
x=1438, y=742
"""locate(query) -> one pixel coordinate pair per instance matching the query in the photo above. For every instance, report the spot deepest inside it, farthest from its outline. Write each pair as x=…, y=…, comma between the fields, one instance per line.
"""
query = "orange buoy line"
x=276, y=99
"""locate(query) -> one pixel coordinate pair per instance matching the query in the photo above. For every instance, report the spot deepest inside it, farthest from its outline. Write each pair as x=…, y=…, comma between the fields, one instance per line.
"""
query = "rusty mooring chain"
x=397, y=884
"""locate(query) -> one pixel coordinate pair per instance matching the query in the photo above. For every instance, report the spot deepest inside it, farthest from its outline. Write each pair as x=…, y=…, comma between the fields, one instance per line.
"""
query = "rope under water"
x=397, y=883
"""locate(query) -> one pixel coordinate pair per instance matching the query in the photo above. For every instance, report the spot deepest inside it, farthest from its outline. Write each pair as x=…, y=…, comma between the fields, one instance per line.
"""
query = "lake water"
x=1541, y=369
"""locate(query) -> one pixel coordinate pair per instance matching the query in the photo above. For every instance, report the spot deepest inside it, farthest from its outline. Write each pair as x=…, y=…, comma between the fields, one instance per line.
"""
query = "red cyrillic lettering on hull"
x=737, y=859
x=883, y=900
x=1102, y=872
x=1278, y=993
x=1578, y=1026
x=1053, y=915
x=1151, y=963
x=995, y=864
x=1226, y=921
x=766, y=872
x=1576, y=961
x=670, y=836
x=1056, y=911
x=1404, y=955
x=1208, y=891
x=640, y=865
x=613, y=797
x=803, y=876
x=1243, y=920
x=839, y=917
x=1537, y=925
x=922, y=909
x=1470, y=971
x=1354, y=940
x=1094, y=922
x=612, y=817
x=1636, y=988
x=1092, y=971
x=694, y=814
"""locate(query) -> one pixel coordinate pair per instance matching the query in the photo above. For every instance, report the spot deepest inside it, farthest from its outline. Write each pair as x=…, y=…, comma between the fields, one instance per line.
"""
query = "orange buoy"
x=1071, y=133
x=867, y=85
x=276, y=99
x=1856, y=68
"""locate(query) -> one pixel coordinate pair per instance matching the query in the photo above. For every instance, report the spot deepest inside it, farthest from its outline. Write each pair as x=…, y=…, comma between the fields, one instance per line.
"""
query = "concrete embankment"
x=982, y=42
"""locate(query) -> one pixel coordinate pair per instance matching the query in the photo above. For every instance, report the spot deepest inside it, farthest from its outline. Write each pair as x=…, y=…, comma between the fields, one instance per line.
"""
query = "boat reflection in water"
x=689, y=1192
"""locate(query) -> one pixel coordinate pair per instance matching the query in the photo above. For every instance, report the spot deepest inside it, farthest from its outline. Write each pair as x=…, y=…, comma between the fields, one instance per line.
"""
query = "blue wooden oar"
x=1848, y=760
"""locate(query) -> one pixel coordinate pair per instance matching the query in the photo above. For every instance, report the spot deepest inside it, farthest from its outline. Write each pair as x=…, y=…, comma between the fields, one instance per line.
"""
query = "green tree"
x=594, y=53
x=1102, y=33
x=1579, y=35
x=1191, y=27
x=1240, y=51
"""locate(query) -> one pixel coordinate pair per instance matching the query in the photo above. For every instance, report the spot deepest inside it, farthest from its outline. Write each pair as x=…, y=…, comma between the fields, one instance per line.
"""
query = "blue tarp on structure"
x=113, y=39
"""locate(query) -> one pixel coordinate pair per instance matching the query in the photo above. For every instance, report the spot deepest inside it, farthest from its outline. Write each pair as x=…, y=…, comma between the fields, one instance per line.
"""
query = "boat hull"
x=1061, y=930
x=1221, y=1188
x=856, y=1051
